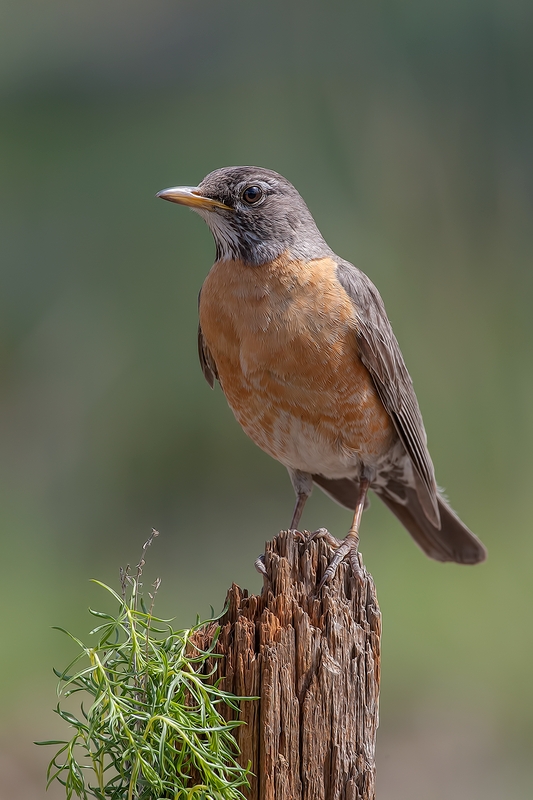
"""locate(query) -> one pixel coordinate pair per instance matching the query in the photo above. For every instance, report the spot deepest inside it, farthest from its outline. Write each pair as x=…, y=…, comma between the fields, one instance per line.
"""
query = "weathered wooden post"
x=314, y=662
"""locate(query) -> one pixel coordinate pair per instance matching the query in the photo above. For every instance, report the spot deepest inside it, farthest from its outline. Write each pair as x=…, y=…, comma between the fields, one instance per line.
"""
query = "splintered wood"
x=314, y=662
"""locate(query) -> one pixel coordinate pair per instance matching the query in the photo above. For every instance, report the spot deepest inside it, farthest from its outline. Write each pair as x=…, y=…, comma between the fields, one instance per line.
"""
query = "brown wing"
x=207, y=362
x=380, y=353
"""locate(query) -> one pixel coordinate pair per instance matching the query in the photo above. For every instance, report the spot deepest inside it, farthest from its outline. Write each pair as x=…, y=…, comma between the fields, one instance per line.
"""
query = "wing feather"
x=380, y=353
x=207, y=362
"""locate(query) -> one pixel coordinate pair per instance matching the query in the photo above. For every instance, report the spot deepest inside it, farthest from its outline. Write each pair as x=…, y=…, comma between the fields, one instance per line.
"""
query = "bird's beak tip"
x=191, y=196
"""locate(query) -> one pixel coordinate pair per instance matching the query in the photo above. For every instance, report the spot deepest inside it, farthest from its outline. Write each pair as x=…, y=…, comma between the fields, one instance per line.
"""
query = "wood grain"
x=314, y=662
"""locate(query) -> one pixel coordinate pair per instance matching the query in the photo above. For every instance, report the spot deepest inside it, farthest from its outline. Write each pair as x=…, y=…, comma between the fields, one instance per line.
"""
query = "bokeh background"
x=407, y=127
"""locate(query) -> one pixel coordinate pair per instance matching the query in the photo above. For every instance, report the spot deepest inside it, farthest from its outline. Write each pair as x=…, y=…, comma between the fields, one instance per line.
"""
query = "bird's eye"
x=253, y=195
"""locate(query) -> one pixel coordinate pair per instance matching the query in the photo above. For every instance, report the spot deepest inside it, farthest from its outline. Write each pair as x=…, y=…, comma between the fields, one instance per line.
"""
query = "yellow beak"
x=190, y=196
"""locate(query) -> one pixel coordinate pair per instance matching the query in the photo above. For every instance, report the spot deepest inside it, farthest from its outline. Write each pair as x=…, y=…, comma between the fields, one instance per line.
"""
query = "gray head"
x=254, y=215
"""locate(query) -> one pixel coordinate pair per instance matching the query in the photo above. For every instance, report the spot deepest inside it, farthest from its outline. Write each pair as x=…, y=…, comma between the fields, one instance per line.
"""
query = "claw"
x=323, y=533
x=347, y=548
x=354, y=561
x=259, y=564
x=300, y=536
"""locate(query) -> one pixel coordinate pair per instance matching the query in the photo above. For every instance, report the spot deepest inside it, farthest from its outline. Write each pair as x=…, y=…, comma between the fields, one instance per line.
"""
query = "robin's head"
x=254, y=214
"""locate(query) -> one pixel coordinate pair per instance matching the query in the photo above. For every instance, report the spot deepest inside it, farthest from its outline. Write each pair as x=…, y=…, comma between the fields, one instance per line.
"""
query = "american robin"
x=301, y=345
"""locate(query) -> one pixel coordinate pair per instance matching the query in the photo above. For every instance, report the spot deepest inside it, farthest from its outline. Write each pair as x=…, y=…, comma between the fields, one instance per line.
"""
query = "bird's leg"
x=303, y=486
x=350, y=545
x=301, y=499
x=298, y=509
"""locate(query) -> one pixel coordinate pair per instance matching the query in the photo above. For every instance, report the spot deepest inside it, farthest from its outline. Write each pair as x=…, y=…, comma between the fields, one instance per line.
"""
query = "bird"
x=301, y=345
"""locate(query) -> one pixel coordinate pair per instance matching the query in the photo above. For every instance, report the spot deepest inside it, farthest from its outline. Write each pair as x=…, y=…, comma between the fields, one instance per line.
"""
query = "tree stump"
x=314, y=662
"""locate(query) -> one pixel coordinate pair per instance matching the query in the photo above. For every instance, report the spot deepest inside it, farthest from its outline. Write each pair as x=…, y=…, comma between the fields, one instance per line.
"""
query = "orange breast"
x=283, y=337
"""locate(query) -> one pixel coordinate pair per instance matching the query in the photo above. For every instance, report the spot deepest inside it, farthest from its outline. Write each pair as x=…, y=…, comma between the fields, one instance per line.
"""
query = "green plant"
x=154, y=728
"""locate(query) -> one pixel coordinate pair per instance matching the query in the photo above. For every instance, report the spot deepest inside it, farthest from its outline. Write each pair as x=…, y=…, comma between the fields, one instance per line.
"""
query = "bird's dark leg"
x=350, y=545
x=301, y=500
x=303, y=486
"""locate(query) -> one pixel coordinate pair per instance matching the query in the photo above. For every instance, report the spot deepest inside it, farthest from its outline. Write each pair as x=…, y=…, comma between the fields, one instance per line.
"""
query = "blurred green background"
x=407, y=127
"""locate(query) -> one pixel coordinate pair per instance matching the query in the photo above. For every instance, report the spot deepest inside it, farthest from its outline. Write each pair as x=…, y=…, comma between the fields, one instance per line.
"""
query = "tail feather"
x=452, y=541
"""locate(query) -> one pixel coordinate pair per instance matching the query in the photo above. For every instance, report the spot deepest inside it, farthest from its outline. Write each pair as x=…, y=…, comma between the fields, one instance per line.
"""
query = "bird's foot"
x=300, y=536
x=304, y=537
x=259, y=564
x=323, y=533
x=346, y=548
